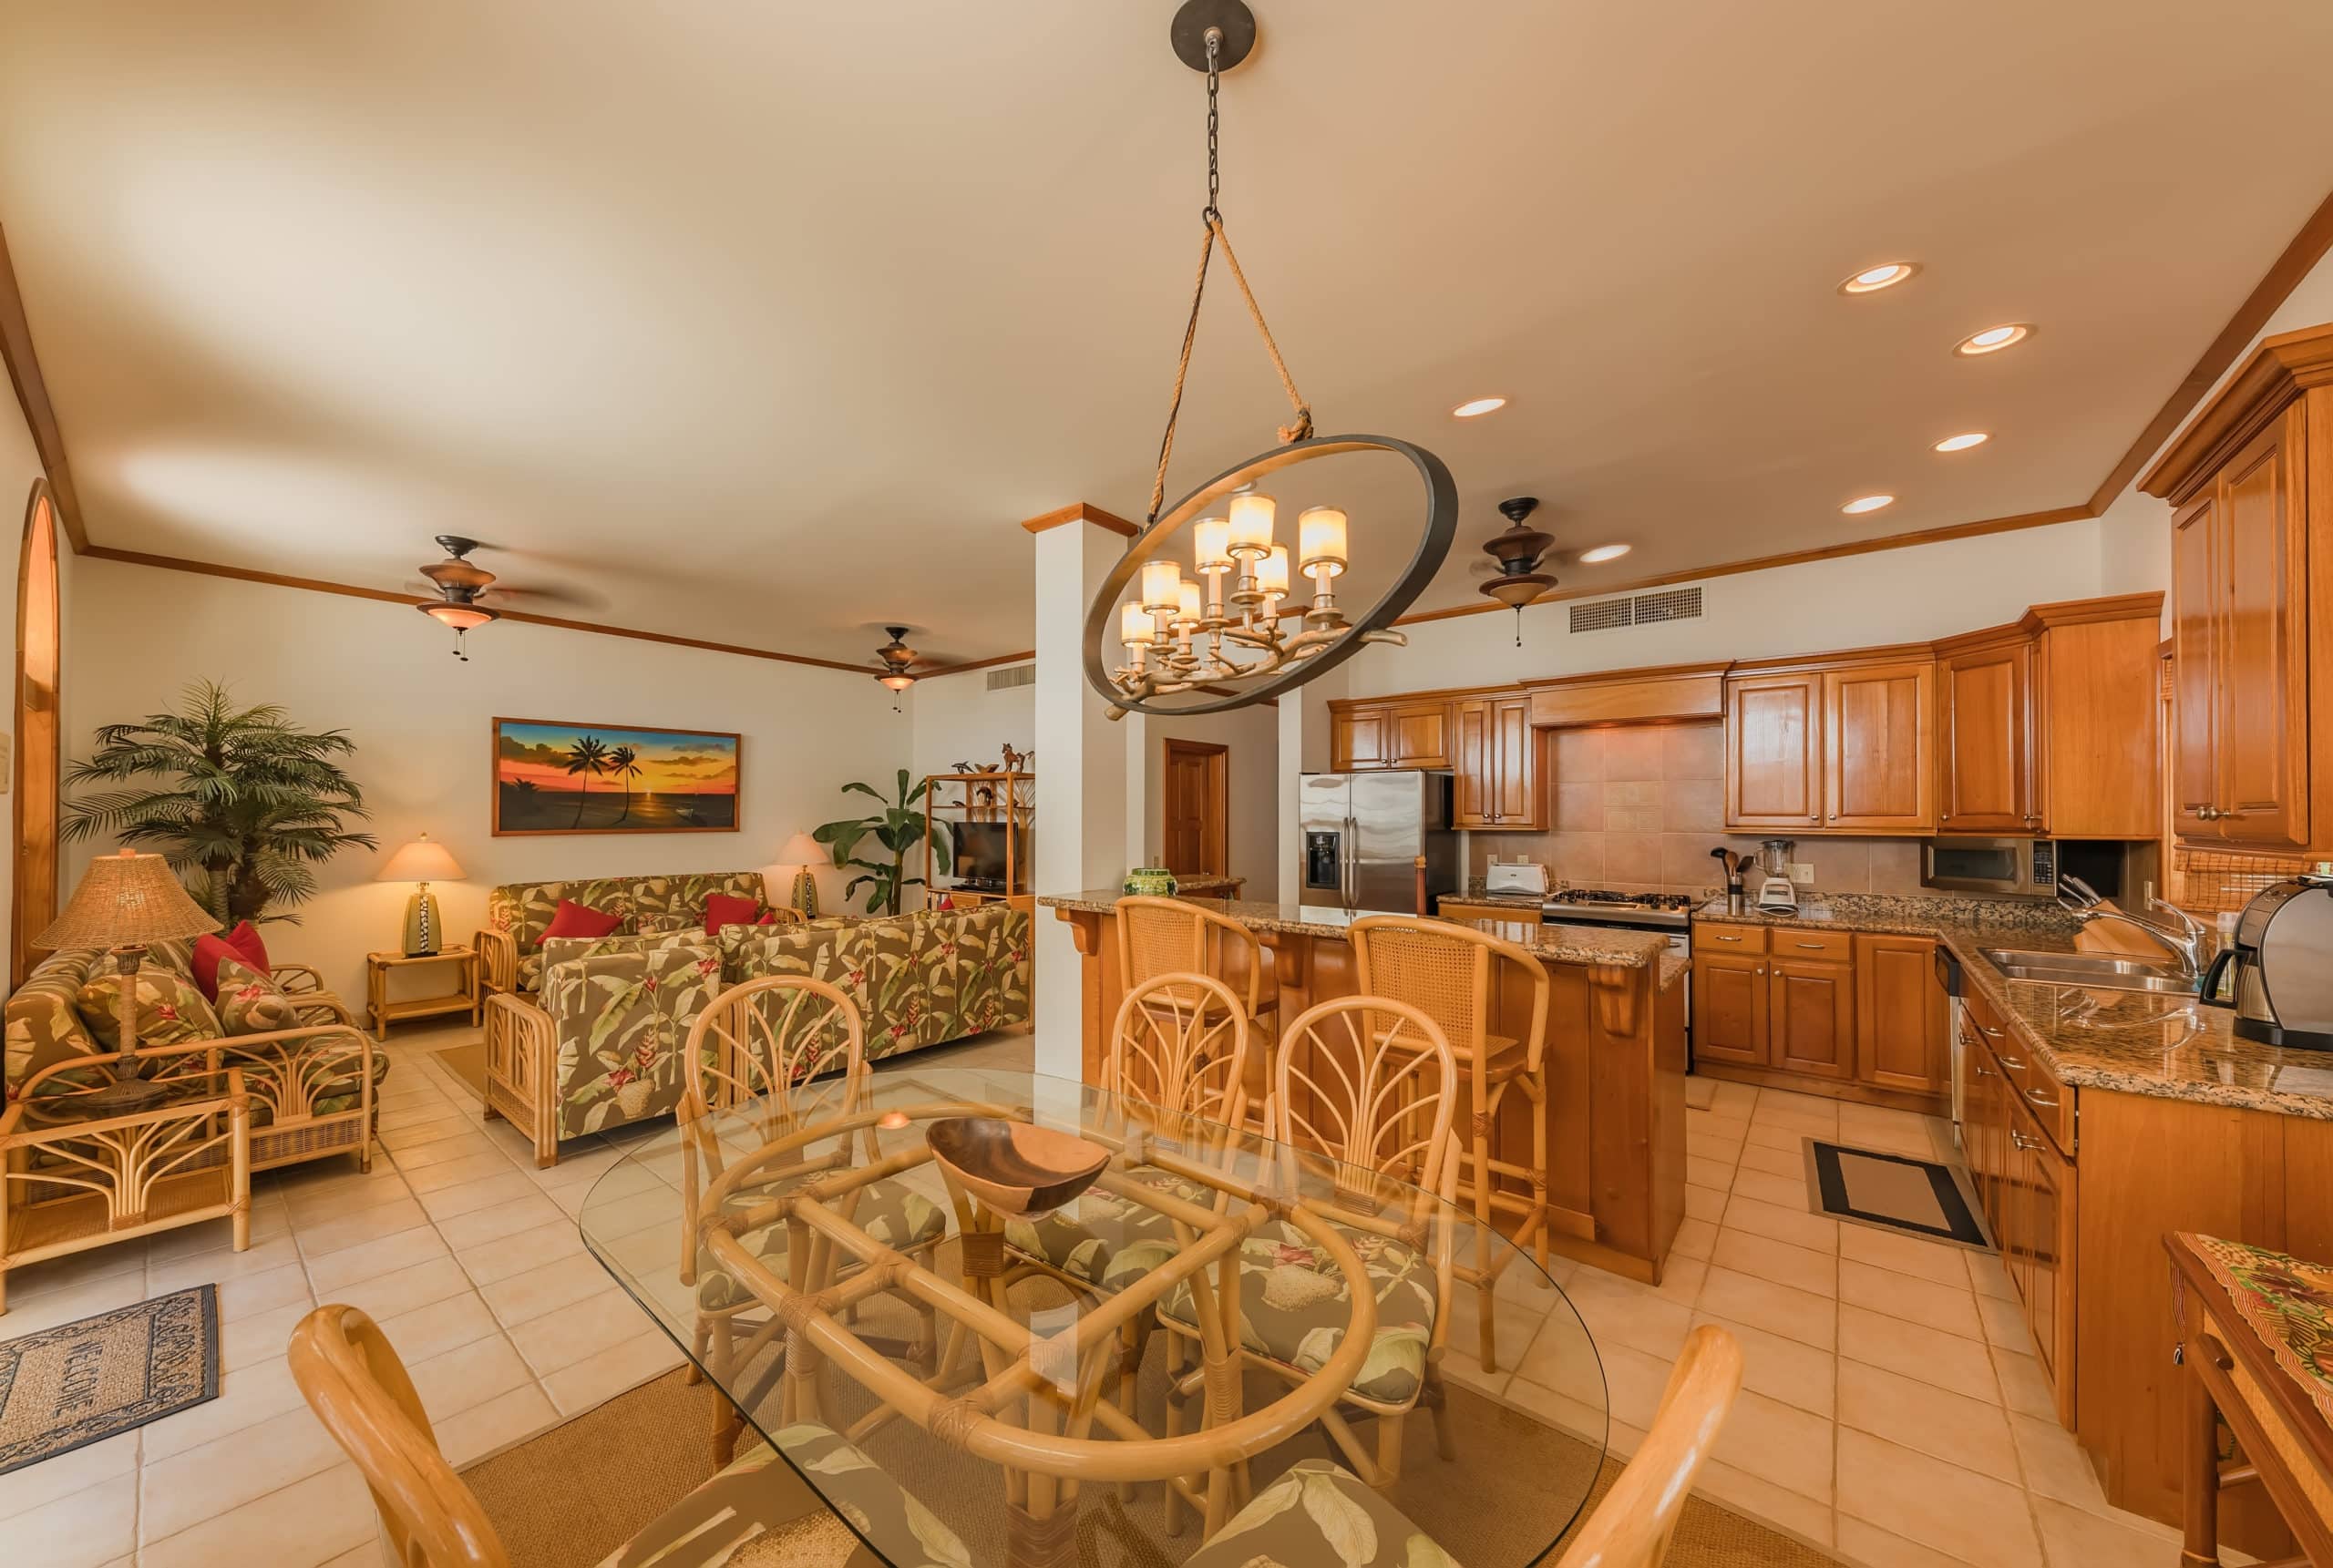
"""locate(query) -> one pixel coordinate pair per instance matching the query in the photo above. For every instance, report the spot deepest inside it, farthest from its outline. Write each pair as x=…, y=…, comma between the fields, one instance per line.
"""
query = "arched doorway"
x=34, y=792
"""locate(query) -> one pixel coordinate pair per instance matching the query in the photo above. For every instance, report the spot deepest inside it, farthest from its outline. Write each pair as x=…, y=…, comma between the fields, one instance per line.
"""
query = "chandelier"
x=1225, y=630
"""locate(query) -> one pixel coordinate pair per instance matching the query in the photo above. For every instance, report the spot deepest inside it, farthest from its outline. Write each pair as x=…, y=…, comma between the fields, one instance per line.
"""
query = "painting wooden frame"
x=642, y=810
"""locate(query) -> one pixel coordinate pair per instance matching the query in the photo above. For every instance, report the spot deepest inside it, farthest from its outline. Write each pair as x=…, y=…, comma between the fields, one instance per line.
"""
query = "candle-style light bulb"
x=1187, y=605
x=1211, y=545
x=1135, y=626
x=1251, y=525
x=1162, y=583
x=1321, y=541
x=1272, y=572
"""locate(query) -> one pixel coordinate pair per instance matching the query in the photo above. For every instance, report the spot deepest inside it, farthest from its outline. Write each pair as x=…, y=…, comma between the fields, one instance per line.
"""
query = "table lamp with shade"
x=423, y=861
x=801, y=853
x=126, y=901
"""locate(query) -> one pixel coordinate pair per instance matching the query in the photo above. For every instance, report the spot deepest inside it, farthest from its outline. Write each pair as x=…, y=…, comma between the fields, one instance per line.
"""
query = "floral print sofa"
x=598, y=1044
x=312, y=1075
x=511, y=947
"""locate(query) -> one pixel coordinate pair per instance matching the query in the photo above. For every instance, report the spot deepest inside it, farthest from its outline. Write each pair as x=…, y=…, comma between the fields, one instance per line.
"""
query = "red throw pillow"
x=242, y=944
x=575, y=920
x=728, y=909
x=244, y=940
x=768, y=919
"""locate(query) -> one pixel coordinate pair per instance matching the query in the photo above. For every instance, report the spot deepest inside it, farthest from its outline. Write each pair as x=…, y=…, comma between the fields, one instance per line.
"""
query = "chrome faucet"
x=2185, y=940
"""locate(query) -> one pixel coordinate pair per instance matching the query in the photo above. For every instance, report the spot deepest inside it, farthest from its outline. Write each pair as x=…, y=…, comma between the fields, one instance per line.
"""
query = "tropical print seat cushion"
x=648, y=904
x=916, y=981
x=1102, y=1238
x=1293, y=1308
x=171, y=1009
x=891, y=1212
x=1321, y=1513
x=621, y=1021
x=900, y=1529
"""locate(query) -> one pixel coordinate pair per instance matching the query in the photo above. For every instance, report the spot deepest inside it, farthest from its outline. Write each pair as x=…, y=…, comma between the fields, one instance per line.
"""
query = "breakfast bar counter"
x=1615, y=1056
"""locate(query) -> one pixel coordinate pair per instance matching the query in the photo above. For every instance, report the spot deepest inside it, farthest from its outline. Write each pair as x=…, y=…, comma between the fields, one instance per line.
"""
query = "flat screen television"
x=977, y=850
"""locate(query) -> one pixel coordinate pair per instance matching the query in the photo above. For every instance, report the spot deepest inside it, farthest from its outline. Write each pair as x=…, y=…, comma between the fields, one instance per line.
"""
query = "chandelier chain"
x=1212, y=218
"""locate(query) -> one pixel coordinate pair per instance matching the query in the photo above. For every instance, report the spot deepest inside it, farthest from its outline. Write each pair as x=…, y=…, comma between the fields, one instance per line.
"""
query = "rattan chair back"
x=1180, y=1041
x=357, y=1384
x=1632, y=1526
x=1371, y=1082
x=1451, y=973
x=1174, y=936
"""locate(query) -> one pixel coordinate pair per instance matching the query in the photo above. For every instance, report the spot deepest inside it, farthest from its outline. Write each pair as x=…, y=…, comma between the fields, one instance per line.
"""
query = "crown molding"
x=1081, y=512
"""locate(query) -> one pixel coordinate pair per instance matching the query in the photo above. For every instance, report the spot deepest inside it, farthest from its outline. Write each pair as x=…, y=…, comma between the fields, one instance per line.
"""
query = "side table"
x=464, y=998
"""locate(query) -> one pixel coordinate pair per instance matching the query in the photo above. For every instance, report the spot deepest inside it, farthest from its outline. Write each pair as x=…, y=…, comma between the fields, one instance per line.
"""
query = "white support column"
x=1303, y=749
x=1082, y=778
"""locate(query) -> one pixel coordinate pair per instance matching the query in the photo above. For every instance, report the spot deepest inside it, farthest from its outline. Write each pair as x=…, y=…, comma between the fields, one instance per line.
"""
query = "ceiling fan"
x=461, y=586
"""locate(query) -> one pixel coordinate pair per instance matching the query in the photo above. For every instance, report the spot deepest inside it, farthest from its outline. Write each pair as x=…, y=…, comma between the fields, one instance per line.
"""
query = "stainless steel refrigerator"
x=1364, y=835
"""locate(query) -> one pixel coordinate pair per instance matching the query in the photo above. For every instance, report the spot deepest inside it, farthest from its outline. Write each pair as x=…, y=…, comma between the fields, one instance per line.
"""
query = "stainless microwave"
x=2018, y=867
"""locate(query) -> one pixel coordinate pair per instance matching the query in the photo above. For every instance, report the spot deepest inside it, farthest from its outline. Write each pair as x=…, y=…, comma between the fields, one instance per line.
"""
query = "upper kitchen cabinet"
x=2251, y=552
x=2048, y=726
x=1843, y=745
x=1393, y=733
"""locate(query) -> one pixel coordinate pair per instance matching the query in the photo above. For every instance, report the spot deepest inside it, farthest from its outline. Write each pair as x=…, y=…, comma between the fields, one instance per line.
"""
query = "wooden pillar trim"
x=33, y=797
x=1081, y=512
x=32, y=397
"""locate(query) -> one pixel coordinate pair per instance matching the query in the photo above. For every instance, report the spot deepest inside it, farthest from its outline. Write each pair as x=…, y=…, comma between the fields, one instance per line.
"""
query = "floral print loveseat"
x=598, y=1044
x=510, y=946
x=311, y=1075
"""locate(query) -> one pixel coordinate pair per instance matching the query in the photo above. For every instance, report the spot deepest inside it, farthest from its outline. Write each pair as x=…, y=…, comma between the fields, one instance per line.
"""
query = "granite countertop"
x=2133, y=1042
x=1557, y=944
x=1497, y=900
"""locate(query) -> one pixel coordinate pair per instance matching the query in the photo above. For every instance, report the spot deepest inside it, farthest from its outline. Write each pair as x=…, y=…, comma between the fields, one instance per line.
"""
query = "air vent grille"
x=1643, y=609
x=1018, y=675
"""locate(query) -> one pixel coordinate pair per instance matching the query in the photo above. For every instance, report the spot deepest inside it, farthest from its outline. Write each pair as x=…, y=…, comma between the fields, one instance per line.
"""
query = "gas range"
x=1603, y=906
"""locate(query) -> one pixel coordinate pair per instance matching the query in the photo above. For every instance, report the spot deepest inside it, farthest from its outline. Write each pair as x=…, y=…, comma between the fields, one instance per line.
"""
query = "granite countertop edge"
x=1558, y=943
x=2072, y=1066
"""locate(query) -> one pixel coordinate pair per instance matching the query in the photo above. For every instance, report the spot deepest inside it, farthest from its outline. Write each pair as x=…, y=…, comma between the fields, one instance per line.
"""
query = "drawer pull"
x=1815, y=946
x=1722, y=938
x=2022, y=1141
x=2044, y=1101
x=1983, y=1073
x=1988, y=1033
x=2011, y=1063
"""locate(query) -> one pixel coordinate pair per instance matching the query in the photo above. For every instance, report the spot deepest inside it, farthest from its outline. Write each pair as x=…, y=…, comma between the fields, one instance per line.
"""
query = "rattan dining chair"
x=357, y=1384
x=1363, y=1088
x=761, y=1062
x=1454, y=974
x=1631, y=1528
x=1176, y=935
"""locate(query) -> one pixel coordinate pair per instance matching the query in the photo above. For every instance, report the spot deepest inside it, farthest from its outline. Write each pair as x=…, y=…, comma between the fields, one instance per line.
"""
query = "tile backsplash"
x=1640, y=809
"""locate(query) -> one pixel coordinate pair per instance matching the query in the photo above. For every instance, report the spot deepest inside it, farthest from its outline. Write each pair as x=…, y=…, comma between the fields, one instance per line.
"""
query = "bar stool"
x=1450, y=974
x=1174, y=936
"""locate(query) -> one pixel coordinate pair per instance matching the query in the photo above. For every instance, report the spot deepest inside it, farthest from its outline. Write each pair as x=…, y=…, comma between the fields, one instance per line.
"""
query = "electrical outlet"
x=1802, y=873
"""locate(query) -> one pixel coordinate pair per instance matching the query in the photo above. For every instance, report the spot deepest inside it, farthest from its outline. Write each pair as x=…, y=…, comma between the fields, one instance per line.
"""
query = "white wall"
x=1252, y=788
x=421, y=721
x=1906, y=595
x=957, y=719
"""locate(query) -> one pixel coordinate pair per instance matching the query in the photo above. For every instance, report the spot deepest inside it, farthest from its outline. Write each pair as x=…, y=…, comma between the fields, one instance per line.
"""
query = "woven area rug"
x=467, y=1062
x=569, y=1498
x=84, y=1381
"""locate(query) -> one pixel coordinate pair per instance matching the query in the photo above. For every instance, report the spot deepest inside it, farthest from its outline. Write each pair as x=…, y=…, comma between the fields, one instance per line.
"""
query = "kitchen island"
x=2094, y=1123
x=1614, y=1057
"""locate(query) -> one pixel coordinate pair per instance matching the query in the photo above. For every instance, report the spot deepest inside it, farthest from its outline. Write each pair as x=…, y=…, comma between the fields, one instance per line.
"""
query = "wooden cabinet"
x=1729, y=1007
x=2025, y=1184
x=1987, y=772
x=1388, y=734
x=1833, y=748
x=1496, y=762
x=1900, y=1016
x=2250, y=581
x=1773, y=752
x=1810, y=1018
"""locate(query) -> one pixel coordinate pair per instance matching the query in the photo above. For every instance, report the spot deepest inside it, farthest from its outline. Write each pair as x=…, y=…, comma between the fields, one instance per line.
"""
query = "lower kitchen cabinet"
x=1810, y=1018
x=1900, y=1024
x=1730, y=1009
x=1840, y=1012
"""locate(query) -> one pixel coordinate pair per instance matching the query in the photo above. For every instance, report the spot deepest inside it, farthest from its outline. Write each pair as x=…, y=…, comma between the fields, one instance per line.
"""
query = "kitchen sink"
x=2102, y=971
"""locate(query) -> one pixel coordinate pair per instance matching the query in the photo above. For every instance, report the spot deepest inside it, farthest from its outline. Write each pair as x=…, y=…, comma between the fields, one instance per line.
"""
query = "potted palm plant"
x=896, y=829
x=242, y=803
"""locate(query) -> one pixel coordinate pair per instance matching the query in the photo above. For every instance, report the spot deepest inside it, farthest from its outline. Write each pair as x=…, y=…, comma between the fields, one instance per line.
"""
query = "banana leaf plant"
x=897, y=830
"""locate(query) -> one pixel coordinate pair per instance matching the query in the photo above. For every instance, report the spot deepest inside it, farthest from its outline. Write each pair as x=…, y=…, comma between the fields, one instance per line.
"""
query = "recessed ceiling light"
x=1479, y=406
x=1962, y=443
x=1871, y=279
x=1992, y=340
x=1862, y=504
x=1604, y=552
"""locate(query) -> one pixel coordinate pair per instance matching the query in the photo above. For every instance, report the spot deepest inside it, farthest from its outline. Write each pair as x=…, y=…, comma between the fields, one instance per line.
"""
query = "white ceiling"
x=766, y=322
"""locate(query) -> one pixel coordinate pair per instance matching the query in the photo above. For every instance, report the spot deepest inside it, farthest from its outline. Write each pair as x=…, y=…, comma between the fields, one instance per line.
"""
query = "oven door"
x=2012, y=867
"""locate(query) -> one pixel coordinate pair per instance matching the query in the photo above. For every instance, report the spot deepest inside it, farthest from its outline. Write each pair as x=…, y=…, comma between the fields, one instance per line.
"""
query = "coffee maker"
x=2282, y=956
x=1777, y=894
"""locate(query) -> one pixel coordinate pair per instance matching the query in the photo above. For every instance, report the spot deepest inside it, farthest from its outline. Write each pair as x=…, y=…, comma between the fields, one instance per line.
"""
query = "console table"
x=464, y=998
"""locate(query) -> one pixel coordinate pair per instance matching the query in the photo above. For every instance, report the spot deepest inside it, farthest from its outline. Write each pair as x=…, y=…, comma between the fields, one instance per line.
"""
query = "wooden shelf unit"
x=1005, y=797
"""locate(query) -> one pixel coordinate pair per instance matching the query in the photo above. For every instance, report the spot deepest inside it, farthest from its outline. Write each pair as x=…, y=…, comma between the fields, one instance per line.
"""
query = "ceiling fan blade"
x=572, y=598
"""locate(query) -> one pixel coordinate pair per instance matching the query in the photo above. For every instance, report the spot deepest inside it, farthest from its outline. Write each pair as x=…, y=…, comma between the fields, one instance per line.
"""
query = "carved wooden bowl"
x=1015, y=1168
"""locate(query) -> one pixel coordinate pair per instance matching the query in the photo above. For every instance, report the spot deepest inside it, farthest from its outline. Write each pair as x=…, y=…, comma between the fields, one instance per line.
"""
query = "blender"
x=1777, y=894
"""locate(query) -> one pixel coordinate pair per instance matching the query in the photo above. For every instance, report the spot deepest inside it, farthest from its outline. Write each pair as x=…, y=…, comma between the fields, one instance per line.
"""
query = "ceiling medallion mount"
x=1222, y=635
x=459, y=584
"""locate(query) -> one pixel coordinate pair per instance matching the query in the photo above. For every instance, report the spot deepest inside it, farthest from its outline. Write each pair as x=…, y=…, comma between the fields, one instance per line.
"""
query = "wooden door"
x=1730, y=1009
x=33, y=802
x=2263, y=679
x=1357, y=740
x=1810, y=1018
x=1879, y=748
x=2047, y=1236
x=1419, y=736
x=1474, y=764
x=1773, y=748
x=1899, y=1016
x=2195, y=623
x=1193, y=787
x=1987, y=774
x=1515, y=769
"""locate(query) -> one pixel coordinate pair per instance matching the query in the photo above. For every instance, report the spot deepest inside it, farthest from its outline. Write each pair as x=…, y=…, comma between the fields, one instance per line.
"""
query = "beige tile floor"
x=1891, y=1414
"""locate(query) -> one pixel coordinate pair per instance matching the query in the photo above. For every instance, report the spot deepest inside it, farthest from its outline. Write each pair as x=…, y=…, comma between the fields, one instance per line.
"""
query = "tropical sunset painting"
x=599, y=778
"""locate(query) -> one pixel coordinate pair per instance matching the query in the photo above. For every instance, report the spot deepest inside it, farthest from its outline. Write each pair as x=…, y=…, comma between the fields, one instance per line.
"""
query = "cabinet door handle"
x=2044, y=1101
x=1759, y=969
x=1983, y=1073
x=1814, y=946
x=2022, y=1141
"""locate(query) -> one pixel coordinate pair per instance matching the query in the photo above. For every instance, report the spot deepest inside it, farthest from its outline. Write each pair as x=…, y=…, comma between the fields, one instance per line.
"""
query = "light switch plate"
x=1802, y=873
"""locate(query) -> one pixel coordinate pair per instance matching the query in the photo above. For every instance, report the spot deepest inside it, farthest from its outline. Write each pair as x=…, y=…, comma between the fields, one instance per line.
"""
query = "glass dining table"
x=892, y=1287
